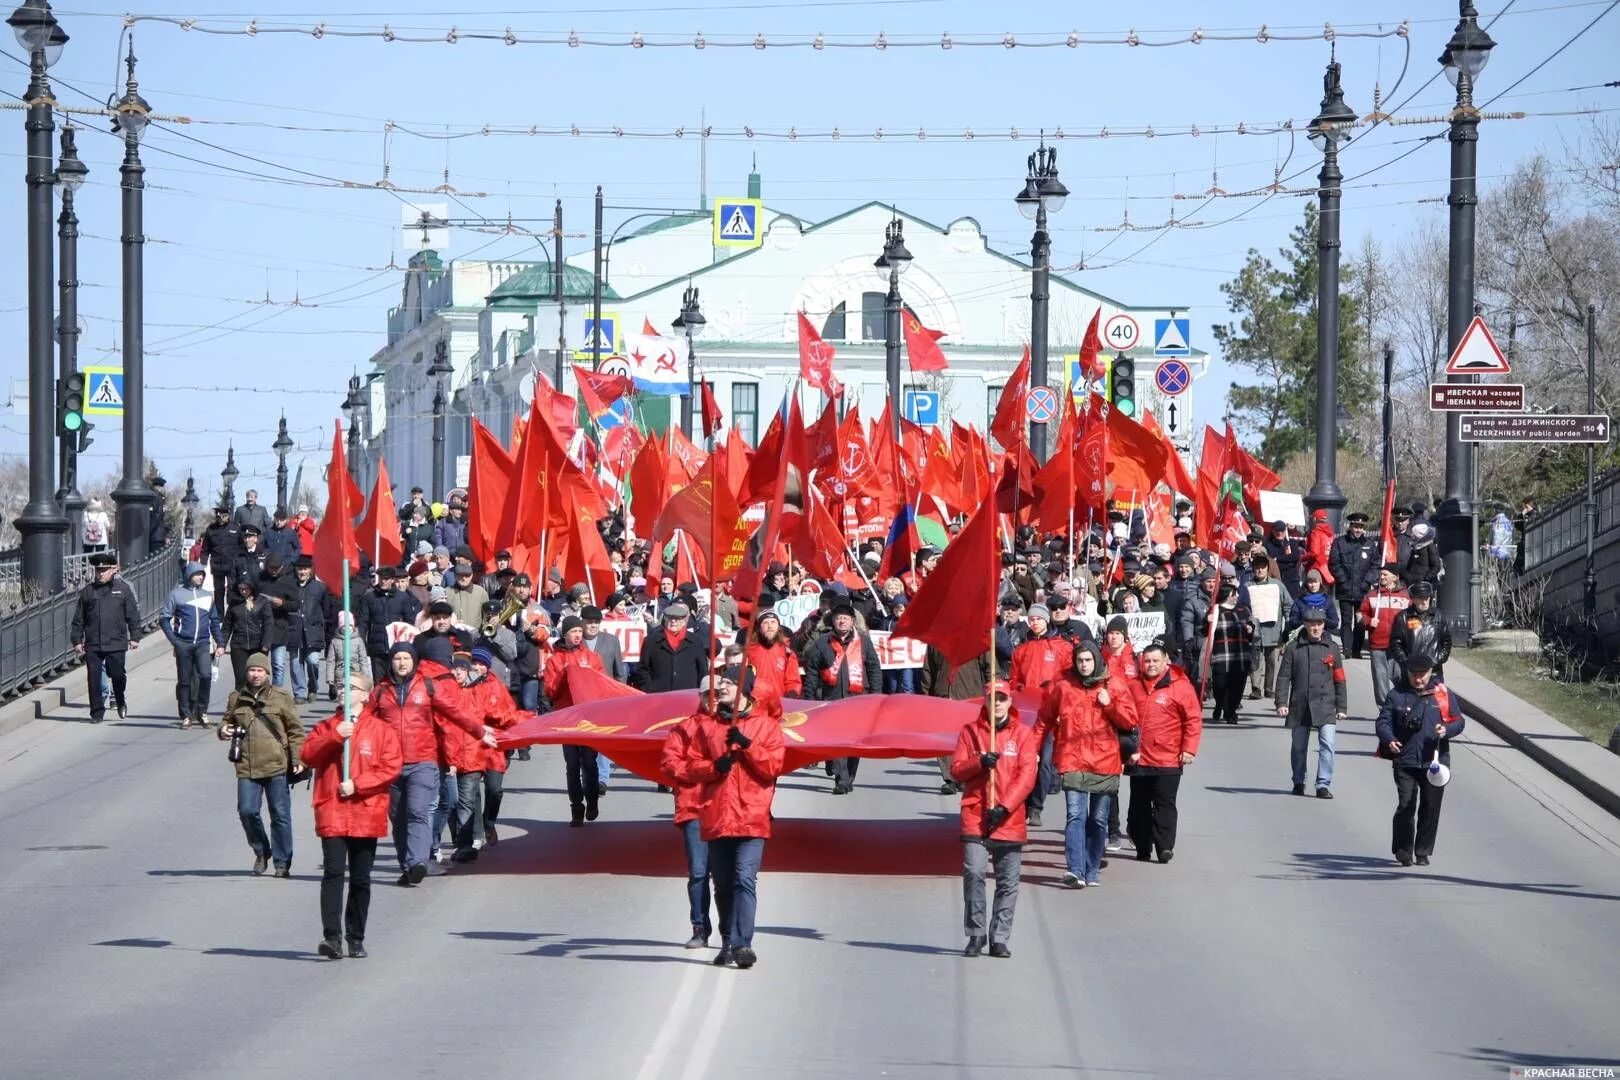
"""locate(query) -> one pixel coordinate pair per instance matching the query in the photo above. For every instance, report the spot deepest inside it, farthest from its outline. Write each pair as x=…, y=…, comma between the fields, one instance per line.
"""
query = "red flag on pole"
x=1091, y=365
x=1008, y=425
x=334, y=538
x=712, y=420
x=599, y=391
x=377, y=534
x=1390, y=545
x=489, y=480
x=922, y=344
x=815, y=360
x=954, y=608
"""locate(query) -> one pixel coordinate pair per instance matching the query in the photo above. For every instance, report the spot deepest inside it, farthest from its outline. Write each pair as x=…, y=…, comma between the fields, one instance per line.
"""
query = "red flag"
x=706, y=513
x=620, y=445
x=377, y=534
x=1136, y=459
x=817, y=541
x=815, y=360
x=759, y=484
x=1091, y=365
x=1091, y=460
x=922, y=344
x=853, y=472
x=821, y=437
x=940, y=477
x=334, y=537
x=956, y=604
x=599, y=391
x=685, y=456
x=1055, y=483
x=649, y=483
x=488, y=483
x=562, y=410
x=584, y=558
x=712, y=420
x=788, y=505
x=737, y=455
x=901, y=545
x=1008, y=425
x=1390, y=545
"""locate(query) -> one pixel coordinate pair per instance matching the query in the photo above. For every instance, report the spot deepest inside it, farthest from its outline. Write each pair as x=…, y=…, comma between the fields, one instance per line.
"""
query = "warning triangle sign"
x=1477, y=353
x=105, y=393
x=738, y=226
x=1172, y=338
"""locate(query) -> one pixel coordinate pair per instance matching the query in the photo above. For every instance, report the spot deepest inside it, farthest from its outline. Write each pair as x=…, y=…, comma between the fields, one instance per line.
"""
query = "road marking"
x=708, y=1037
x=674, y=1023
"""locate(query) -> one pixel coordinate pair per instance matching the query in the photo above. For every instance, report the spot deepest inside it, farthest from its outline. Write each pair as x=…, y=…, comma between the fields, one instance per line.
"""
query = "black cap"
x=843, y=607
x=492, y=607
x=1119, y=623
x=1013, y=602
x=1419, y=662
x=388, y=573
x=440, y=607
x=522, y=579
x=273, y=564
x=103, y=558
x=416, y=491
x=504, y=554
x=303, y=562
x=1394, y=568
x=1315, y=615
x=280, y=514
x=571, y=623
x=1357, y=518
x=250, y=530
x=591, y=614
x=1421, y=590
x=1401, y=513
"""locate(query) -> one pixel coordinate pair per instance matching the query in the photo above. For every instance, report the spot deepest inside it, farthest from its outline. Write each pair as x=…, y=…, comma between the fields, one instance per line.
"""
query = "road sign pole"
x=1589, y=594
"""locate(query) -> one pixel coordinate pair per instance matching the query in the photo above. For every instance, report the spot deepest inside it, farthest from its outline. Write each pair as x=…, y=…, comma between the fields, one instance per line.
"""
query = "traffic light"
x=70, y=403
x=83, y=437
x=1122, y=384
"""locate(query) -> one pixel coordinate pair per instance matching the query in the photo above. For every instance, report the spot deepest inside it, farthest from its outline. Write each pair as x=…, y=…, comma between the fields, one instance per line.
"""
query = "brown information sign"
x=1536, y=428
x=1476, y=397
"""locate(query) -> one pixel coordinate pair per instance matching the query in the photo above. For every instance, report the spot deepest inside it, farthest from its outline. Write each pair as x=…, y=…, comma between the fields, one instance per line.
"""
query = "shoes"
x=123, y=711
x=1231, y=718
x=261, y=863
x=975, y=947
x=465, y=855
x=203, y=721
x=663, y=789
x=576, y=816
x=698, y=940
x=1034, y=819
x=1144, y=856
x=1166, y=855
x=1072, y=880
x=405, y=880
x=1094, y=883
x=331, y=693
x=490, y=839
x=601, y=791
x=435, y=870
x=591, y=811
x=331, y=949
x=724, y=957
x=1114, y=846
x=357, y=949
x=841, y=789
x=1299, y=789
x=95, y=718
x=950, y=787
x=185, y=723
x=523, y=754
x=744, y=957
x=416, y=873
x=1000, y=951
x=1423, y=860
x=1404, y=858
x=1254, y=695
x=443, y=854
x=282, y=871
x=1323, y=793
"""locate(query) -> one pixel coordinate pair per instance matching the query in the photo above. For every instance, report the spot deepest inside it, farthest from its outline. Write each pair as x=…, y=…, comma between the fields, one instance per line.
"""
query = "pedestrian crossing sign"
x=736, y=223
x=601, y=335
x=104, y=391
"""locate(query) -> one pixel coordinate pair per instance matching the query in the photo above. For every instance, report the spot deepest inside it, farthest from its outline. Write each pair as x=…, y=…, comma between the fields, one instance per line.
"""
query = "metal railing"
x=1562, y=528
x=35, y=643
x=76, y=572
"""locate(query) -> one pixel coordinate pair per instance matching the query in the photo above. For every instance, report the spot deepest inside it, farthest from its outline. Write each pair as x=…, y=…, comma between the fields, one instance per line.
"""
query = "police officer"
x=221, y=546
x=106, y=625
x=1353, y=561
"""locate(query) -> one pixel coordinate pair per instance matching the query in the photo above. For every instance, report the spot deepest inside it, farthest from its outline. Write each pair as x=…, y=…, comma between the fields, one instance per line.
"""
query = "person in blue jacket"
x=1314, y=596
x=1415, y=728
x=191, y=623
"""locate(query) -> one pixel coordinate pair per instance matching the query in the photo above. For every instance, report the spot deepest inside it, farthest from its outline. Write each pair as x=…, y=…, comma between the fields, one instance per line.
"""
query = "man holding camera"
x=262, y=725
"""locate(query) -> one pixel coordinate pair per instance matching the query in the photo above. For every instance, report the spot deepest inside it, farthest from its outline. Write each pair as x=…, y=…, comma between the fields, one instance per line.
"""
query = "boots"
x=578, y=815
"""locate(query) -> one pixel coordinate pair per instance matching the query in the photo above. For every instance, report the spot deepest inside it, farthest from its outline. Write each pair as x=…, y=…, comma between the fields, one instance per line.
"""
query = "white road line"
x=673, y=1025
x=714, y=1018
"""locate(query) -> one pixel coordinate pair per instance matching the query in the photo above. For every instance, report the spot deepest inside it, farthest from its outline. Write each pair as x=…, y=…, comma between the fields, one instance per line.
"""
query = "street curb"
x=1606, y=797
x=71, y=688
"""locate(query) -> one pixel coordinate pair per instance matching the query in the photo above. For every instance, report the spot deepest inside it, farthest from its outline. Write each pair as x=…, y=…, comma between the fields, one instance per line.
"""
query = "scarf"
x=850, y=659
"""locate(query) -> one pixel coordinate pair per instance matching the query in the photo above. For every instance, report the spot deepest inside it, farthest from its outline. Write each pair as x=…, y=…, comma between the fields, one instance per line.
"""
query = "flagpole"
x=348, y=651
x=876, y=599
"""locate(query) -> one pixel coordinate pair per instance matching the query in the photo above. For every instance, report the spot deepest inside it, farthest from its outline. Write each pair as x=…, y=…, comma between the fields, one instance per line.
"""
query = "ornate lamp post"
x=70, y=176
x=894, y=261
x=692, y=323
x=227, y=494
x=1042, y=193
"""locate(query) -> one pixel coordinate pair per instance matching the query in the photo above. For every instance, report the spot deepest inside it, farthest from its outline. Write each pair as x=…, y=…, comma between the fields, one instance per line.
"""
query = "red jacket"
x=1084, y=733
x=555, y=672
x=375, y=759
x=1122, y=663
x=1040, y=662
x=688, y=793
x=306, y=535
x=1171, y=718
x=778, y=665
x=422, y=714
x=738, y=803
x=485, y=700
x=1380, y=611
x=1015, y=775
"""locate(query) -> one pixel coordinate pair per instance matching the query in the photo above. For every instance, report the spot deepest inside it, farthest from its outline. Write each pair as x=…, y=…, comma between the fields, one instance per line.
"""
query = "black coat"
x=248, y=625
x=1354, y=565
x=1417, y=632
x=107, y=617
x=221, y=544
x=1286, y=554
x=283, y=587
x=375, y=610
x=316, y=621
x=1410, y=717
x=249, y=565
x=1423, y=565
x=662, y=668
x=822, y=658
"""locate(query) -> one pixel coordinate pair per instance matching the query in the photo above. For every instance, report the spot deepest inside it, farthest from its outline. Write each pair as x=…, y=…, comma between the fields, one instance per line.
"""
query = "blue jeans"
x=278, y=665
x=306, y=669
x=697, y=877
x=734, y=862
x=193, y=659
x=1085, y=833
x=529, y=695
x=604, y=769
x=250, y=794
x=410, y=809
x=449, y=799
x=1046, y=778
x=1324, y=753
x=900, y=681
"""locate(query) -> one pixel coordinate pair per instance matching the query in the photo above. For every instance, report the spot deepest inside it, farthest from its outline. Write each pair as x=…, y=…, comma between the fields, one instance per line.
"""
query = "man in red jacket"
x=476, y=774
x=350, y=814
x=997, y=771
x=1380, y=611
x=421, y=702
x=1038, y=662
x=578, y=761
x=735, y=755
x=1172, y=723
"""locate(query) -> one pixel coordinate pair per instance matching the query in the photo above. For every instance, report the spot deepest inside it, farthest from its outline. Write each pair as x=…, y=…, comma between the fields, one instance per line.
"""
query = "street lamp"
x=70, y=176
x=189, y=500
x=227, y=495
x=438, y=371
x=281, y=446
x=41, y=524
x=1330, y=128
x=353, y=403
x=895, y=260
x=1042, y=193
x=1455, y=518
x=691, y=322
x=134, y=496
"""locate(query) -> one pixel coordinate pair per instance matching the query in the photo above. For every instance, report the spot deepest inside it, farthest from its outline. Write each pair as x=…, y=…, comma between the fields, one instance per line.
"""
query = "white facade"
x=978, y=297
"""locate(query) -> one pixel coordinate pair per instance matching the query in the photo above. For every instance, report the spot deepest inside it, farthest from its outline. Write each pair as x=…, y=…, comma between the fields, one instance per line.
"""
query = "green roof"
x=535, y=282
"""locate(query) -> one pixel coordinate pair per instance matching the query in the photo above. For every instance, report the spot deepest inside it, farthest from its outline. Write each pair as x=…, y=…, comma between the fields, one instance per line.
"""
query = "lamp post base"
x=44, y=531
x=1326, y=495
x=136, y=503
x=1454, y=521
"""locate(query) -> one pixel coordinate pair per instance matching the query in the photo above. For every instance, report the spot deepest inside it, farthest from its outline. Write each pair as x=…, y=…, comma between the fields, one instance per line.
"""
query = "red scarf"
x=849, y=657
x=675, y=637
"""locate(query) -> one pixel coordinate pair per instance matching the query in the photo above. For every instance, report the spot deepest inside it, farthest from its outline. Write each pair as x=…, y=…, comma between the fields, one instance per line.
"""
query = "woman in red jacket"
x=351, y=814
x=688, y=799
x=487, y=701
x=995, y=783
x=1086, y=712
x=769, y=655
x=579, y=761
x=734, y=755
x=1172, y=721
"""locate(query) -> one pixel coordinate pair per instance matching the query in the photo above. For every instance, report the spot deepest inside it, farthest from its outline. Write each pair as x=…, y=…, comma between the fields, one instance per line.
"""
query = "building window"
x=745, y=410
x=834, y=326
x=873, y=314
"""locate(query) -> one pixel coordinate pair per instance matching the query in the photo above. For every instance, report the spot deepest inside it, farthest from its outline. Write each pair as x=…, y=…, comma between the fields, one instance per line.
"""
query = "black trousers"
x=1151, y=820
x=1227, y=693
x=580, y=762
x=239, y=659
x=1352, y=636
x=359, y=852
x=844, y=770
x=1419, y=799
x=95, y=662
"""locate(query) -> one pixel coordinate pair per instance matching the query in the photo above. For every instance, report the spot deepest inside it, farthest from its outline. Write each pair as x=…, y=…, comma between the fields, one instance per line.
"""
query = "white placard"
x=896, y=653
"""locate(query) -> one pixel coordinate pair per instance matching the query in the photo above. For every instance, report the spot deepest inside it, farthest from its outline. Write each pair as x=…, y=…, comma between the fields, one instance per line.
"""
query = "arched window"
x=834, y=326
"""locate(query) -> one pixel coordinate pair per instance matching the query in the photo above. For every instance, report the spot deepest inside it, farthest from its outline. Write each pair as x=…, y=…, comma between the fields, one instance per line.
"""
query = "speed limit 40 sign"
x=1121, y=332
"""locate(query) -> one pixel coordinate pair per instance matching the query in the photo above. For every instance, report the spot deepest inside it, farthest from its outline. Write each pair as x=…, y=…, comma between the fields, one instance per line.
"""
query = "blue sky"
x=222, y=237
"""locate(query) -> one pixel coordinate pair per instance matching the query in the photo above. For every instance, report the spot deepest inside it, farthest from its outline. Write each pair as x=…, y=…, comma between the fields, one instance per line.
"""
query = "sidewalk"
x=1572, y=757
x=71, y=687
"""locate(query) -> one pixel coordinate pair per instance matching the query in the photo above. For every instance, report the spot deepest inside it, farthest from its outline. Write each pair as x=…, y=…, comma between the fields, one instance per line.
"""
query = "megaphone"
x=1437, y=774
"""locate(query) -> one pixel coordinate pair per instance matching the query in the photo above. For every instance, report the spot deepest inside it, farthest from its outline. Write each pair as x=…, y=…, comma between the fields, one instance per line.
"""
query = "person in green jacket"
x=266, y=721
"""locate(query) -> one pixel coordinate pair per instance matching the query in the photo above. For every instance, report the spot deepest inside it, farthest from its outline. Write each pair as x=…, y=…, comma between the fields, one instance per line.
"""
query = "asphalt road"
x=1282, y=942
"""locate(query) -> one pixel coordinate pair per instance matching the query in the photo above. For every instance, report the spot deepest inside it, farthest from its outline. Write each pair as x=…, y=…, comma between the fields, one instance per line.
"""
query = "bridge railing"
x=1562, y=529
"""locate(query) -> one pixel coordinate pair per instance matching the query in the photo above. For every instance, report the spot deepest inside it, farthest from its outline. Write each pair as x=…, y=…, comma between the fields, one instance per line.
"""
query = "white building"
x=501, y=320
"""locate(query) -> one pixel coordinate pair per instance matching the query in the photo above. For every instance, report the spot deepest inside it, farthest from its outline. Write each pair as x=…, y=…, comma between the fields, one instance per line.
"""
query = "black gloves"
x=987, y=760
x=735, y=737
x=997, y=816
x=722, y=765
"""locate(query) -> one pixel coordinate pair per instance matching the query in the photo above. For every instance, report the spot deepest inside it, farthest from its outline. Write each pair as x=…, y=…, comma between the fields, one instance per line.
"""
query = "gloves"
x=987, y=760
x=997, y=817
x=722, y=765
x=735, y=737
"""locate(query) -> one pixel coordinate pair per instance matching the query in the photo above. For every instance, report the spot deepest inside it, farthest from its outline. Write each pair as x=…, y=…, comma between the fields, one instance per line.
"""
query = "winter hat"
x=1421, y=533
x=424, y=549
x=1119, y=623
x=483, y=656
x=591, y=614
x=1313, y=575
x=437, y=649
x=573, y=622
x=194, y=568
x=441, y=550
x=461, y=660
x=1099, y=670
x=1039, y=611
x=1314, y=613
x=439, y=608
x=258, y=660
x=406, y=647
